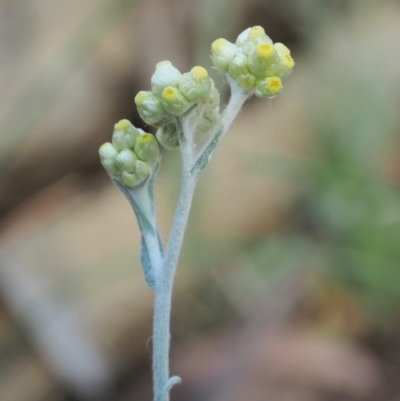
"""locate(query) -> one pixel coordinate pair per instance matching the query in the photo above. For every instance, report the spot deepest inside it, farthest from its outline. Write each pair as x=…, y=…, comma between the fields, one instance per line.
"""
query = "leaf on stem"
x=148, y=269
x=170, y=383
x=205, y=155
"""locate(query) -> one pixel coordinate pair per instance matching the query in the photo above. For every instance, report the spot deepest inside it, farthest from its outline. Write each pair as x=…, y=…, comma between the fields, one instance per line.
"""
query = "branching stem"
x=164, y=280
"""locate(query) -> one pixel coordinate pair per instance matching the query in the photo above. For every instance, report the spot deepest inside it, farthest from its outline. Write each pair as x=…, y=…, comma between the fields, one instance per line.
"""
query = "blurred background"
x=289, y=283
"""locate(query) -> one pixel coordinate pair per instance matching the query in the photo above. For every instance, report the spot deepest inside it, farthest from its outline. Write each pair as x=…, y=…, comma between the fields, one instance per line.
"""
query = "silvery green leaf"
x=206, y=154
x=170, y=383
x=148, y=270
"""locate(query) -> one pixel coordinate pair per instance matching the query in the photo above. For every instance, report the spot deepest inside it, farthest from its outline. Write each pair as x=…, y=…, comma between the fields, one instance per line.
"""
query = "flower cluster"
x=173, y=95
x=254, y=62
x=131, y=156
x=181, y=106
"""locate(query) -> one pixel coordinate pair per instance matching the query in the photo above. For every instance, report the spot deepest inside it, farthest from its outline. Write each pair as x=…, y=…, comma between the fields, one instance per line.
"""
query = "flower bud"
x=281, y=49
x=143, y=170
x=107, y=151
x=286, y=62
x=146, y=148
x=165, y=75
x=167, y=136
x=124, y=135
x=246, y=81
x=255, y=36
x=129, y=179
x=242, y=37
x=150, y=107
x=268, y=87
x=222, y=53
x=196, y=84
x=108, y=158
x=238, y=65
x=257, y=32
x=286, y=65
x=174, y=102
x=264, y=61
x=239, y=70
x=126, y=161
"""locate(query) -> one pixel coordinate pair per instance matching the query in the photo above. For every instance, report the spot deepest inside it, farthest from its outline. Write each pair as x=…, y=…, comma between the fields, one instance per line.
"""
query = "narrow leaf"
x=206, y=154
x=170, y=383
x=148, y=270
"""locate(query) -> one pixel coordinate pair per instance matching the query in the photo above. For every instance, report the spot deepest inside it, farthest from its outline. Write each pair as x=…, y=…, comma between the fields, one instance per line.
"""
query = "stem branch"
x=238, y=97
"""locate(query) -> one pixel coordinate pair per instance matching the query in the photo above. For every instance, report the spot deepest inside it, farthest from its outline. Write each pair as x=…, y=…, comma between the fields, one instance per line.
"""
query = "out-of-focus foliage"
x=348, y=208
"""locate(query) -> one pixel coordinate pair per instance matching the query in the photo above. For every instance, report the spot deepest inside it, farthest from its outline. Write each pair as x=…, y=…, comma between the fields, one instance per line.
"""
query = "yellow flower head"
x=268, y=87
x=149, y=107
x=170, y=94
x=222, y=54
x=273, y=85
x=122, y=125
x=217, y=44
x=287, y=61
x=173, y=101
x=141, y=97
x=199, y=72
x=256, y=31
x=265, y=51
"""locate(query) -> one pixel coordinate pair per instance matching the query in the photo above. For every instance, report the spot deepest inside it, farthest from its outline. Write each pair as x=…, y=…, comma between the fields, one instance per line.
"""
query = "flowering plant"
x=184, y=107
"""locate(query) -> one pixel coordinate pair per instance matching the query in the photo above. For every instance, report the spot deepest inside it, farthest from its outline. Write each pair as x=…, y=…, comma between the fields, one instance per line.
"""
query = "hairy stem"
x=164, y=282
x=238, y=97
x=191, y=170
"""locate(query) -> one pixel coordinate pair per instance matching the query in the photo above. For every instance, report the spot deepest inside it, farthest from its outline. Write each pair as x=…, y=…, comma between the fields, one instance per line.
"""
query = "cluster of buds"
x=131, y=156
x=173, y=94
x=178, y=101
x=254, y=61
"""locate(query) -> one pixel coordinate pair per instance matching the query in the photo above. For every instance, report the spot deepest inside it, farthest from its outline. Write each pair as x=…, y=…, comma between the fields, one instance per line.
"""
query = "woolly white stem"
x=164, y=282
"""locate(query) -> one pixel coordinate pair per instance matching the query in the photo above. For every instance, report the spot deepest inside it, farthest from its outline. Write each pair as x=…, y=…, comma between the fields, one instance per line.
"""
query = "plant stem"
x=164, y=282
x=165, y=278
x=238, y=97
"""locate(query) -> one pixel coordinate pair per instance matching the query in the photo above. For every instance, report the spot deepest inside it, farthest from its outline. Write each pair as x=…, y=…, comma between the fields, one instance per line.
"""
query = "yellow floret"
x=274, y=84
x=256, y=31
x=287, y=61
x=141, y=97
x=170, y=94
x=145, y=138
x=122, y=125
x=265, y=50
x=217, y=44
x=199, y=72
